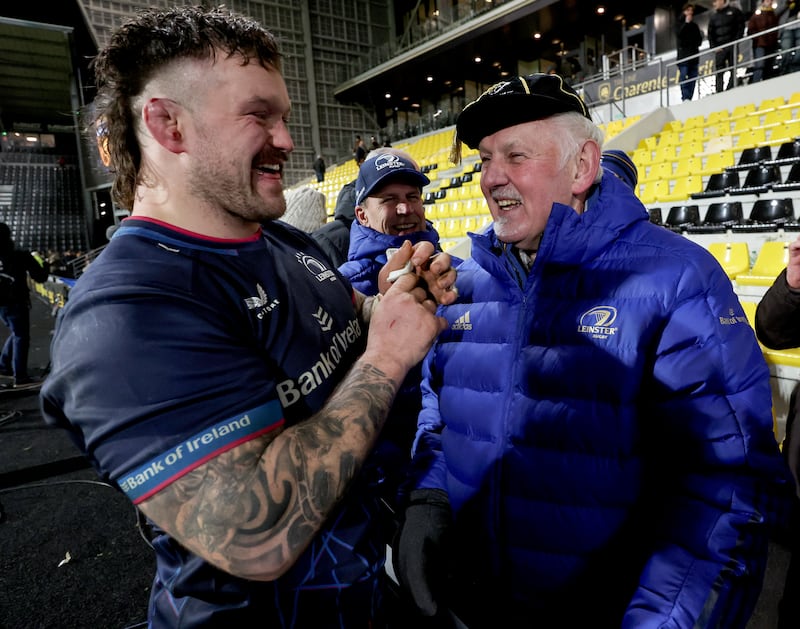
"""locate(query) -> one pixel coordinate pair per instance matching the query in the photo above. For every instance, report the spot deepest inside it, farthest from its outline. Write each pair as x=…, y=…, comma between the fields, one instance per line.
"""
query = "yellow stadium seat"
x=784, y=132
x=659, y=171
x=750, y=139
x=695, y=134
x=683, y=188
x=693, y=122
x=717, y=162
x=742, y=110
x=771, y=103
x=717, y=116
x=771, y=260
x=745, y=123
x=642, y=157
x=653, y=191
x=665, y=153
x=733, y=257
x=688, y=166
x=690, y=149
x=650, y=142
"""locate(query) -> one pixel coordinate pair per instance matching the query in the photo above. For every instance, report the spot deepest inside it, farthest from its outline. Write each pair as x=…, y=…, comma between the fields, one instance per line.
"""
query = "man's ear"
x=161, y=117
x=361, y=215
x=587, y=168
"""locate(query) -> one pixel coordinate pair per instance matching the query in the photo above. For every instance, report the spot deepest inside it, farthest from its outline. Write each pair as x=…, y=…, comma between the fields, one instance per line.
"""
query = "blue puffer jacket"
x=367, y=253
x=602, y=426
x=366, y=258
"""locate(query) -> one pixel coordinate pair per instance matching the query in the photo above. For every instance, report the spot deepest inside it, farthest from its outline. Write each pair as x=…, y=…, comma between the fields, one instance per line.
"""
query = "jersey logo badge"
x=260, y=302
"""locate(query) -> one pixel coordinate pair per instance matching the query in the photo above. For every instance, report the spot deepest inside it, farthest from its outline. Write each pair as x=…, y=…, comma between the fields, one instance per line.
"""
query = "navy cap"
x=512, y=102
x=379, y=168
x=621, y=165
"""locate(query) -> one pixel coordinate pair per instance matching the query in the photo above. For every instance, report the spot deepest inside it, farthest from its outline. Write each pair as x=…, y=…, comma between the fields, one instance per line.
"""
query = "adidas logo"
x=462, y=323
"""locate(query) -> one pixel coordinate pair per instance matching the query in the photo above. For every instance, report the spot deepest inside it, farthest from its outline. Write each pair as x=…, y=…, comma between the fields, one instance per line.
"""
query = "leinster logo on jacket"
x=598, y=322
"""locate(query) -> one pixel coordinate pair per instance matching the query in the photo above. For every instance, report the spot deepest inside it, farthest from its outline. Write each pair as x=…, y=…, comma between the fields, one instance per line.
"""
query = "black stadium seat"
x=792, y=179
x=719, y=218
x=788, y=153
x=718, y=185
x=768, y=215
x=682, y=216
x=759, y=179
x=752, y=156
x=655, y=215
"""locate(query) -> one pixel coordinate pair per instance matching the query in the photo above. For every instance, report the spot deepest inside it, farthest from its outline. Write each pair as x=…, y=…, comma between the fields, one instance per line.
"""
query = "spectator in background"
x=389, y=211
x=359, y=150
x=725, y=26
x=790, y=36
x=373, y=143
x=319, y=168
x=15, y=304
x=595, y=446
x=305, y=209
x=689, y=37
x=334, y=237
x=766, y=45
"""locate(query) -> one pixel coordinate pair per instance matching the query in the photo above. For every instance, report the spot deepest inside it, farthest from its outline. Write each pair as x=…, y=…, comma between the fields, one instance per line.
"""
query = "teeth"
x=507, y=203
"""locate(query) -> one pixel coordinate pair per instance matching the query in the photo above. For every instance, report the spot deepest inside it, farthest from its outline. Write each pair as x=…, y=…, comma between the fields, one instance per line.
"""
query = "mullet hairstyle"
x=143, y=46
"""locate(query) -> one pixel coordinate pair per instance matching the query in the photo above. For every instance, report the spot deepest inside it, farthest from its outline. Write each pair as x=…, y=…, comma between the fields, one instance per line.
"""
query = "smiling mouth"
x=507, y=204
x=269, y=169
x=405, y=227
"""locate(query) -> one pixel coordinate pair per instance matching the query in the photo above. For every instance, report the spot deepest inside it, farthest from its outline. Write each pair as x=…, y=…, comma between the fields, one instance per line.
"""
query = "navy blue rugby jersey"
x=173, y=348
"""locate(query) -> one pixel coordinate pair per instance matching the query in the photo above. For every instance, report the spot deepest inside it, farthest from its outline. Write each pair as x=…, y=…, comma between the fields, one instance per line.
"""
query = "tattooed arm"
x=253, y=510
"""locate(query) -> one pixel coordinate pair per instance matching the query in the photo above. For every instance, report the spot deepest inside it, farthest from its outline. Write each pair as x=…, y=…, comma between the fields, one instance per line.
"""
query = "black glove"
x=420, y=553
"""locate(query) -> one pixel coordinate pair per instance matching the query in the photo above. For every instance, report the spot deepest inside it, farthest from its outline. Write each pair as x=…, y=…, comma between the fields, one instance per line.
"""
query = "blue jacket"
x=602, y=425
x=366, y=258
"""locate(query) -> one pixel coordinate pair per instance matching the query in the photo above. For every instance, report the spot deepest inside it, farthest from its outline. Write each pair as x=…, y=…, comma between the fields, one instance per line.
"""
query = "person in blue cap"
x=595, y=446
x=388, y=212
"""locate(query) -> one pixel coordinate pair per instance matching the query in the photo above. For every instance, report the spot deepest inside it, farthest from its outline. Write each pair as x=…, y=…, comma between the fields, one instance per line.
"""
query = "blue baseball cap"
x=381, y=168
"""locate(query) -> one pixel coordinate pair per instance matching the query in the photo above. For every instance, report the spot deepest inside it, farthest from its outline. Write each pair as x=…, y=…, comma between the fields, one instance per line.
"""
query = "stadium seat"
x=792, y=179
x=750, y=139
x=682, y=216
x=718, y=162
x=683, y=188
x=742, y=110
x=688, y=166
x=771, y=260
x=718, y=184
x=749, y=157
x=652, y=191
x=788, y=153
x=719, y=218
x=768, y=215
x=658, y=171
x=665, y=153
x=733, y=257
x=759, y=179
x=655, y=215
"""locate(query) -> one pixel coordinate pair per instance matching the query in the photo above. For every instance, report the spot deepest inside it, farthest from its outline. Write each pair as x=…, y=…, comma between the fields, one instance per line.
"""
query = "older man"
x=595, y=445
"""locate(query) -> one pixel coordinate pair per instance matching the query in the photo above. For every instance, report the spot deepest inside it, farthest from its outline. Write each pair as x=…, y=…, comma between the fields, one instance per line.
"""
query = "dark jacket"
x=334, y=237
x=761, y=22
x=689, y=38
x=778, y=327
x=725, y=26
x=14, y=270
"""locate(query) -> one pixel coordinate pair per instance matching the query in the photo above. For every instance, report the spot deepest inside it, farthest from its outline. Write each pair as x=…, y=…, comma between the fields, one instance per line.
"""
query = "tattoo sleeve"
x=253, y=510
